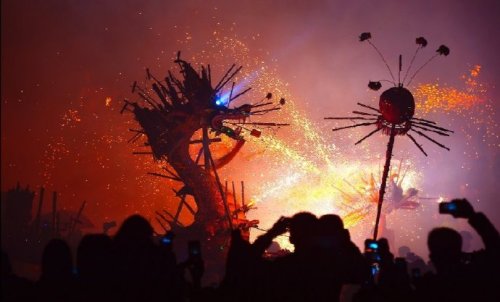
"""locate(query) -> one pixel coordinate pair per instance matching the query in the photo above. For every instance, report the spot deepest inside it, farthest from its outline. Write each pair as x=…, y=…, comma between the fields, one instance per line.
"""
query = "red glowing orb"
x=397, y=105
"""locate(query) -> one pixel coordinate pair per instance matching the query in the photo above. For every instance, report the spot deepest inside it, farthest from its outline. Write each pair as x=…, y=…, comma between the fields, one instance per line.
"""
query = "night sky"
x=68, y=65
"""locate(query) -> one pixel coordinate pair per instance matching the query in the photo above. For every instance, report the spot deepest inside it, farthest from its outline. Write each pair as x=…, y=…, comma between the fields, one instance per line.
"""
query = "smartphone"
x=448, y=207
x=194, y=249
x=167, y=239
x=372, y=250
x=371, y=246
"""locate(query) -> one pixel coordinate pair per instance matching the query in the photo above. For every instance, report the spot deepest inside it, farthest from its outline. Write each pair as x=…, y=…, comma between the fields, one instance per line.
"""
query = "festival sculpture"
x=176, y=115
x=395, y=115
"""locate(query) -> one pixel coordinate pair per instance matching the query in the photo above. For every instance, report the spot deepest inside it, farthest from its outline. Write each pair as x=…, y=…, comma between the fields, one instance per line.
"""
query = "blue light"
x=452, y=206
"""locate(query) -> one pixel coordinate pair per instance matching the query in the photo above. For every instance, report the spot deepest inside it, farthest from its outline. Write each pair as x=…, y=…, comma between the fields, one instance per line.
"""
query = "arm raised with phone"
x=461, y=208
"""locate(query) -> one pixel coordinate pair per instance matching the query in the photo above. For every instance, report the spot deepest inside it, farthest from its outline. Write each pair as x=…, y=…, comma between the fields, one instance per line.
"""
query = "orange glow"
x=432, y=97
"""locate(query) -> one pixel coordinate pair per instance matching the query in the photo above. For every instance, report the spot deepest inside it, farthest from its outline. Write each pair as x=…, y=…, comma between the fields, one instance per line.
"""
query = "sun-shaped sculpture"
x=395, y=115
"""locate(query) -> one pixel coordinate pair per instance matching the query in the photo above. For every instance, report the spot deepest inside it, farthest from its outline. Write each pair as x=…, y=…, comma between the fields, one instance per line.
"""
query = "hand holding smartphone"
x=457, y=208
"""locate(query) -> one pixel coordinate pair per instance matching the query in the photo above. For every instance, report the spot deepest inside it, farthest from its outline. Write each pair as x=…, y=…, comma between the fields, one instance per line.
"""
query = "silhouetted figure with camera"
x=461, y=276
x=323, y=260
x=389, y=279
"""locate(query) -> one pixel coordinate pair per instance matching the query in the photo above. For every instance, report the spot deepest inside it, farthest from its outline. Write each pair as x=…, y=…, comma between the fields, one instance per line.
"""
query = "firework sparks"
x=303, y=170
x=432, y=97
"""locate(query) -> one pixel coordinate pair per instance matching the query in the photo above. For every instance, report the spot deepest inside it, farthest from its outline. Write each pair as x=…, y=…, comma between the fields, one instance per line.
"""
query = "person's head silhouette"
x=303, y=227
x=57, y=263
x=135, y=229
x=94, y=256
x=445, y=247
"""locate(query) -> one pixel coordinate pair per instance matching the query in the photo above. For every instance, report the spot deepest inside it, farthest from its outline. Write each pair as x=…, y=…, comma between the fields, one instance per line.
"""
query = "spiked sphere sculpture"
x=395, y=115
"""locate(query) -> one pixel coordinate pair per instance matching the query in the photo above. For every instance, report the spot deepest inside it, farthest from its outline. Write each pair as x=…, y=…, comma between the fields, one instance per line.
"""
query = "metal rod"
x=368, y=135
x=206, y=148
x=164, y=176
x=388, y=157
x=228, y=79
x=423, y=120
x=212, y=140
x=231, y=94
x=240, y=94
x=77, y=219
x=353, y=126
x=259, y=124
x=234, y=197
x=418, y=70
x=199, y=155
x=364, y=113
x=224, y=200
x=178, y=212
x=350, y=118
x=54, y=211
x=161, y=224
x=383, y=59
x=427, y=137
x=369, y=107
x=265, y=110
x=417, y=144
x=170, y=172
x=225, y=75
x=242, y=194
x=400, y=68
x=39, y=211
x=432, y=126
x=225, y=189
x=431, y=130
x=162, y=217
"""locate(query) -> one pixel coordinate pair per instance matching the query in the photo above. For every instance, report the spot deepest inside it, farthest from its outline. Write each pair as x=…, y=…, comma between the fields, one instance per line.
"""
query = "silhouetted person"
x=94, y=266
x=294, y=276
x=460, y=276
x=343, y=263
x=57, y=282
x=466, y=241
x=416, y=265
x=391, y=282
x=14, y=288
x=324, y=258
x=143, y=270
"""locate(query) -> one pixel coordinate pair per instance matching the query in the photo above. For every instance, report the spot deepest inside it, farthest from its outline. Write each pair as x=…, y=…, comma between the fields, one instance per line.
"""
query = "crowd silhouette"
x=135, y=265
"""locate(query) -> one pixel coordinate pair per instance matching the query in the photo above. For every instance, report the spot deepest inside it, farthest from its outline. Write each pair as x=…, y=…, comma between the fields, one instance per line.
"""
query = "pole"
x=77, y=219
x=234, y=197
x=206, y=149
x=54, y=211
x=39, y=211
x=221, y=190
x=385, y=174
x=242, y=194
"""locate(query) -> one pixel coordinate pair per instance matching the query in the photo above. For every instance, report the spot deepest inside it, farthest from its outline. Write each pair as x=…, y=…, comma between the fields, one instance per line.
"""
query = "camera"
x=448, y=207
